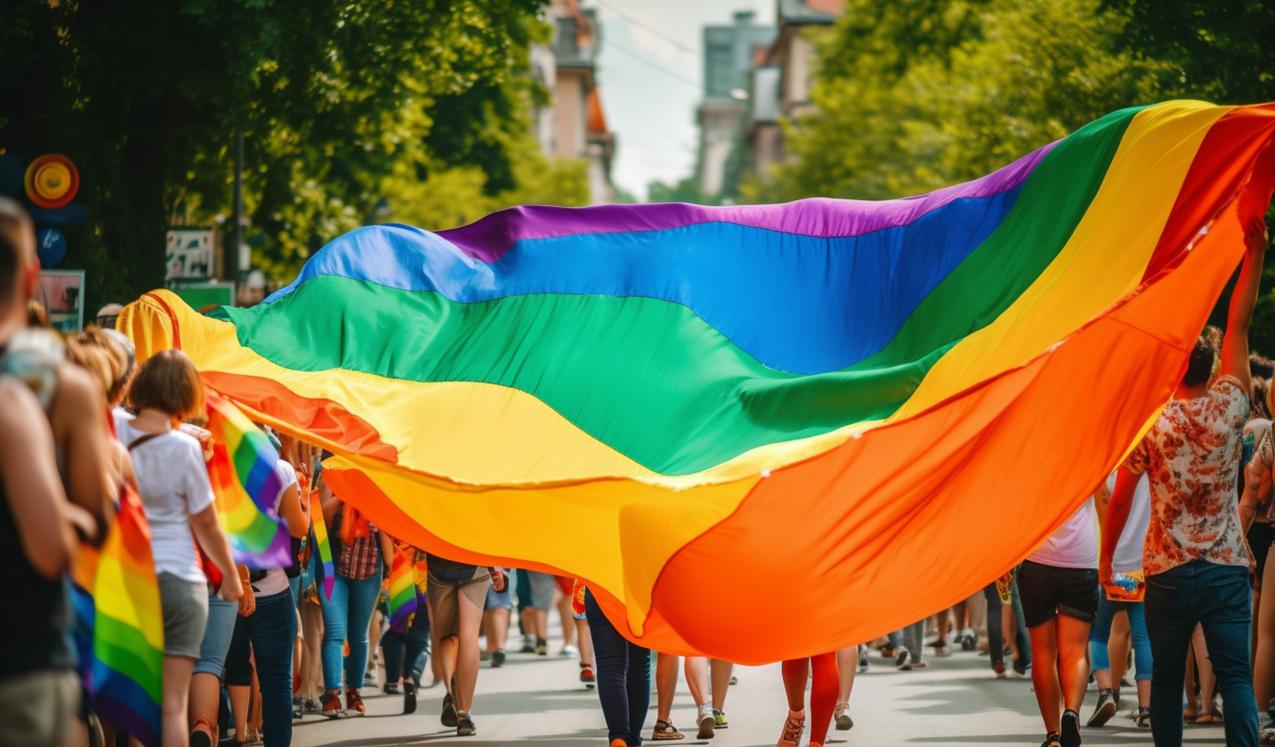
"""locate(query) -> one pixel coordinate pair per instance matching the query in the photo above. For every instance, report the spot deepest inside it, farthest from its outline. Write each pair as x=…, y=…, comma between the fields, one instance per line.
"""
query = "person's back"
x=1191, y=457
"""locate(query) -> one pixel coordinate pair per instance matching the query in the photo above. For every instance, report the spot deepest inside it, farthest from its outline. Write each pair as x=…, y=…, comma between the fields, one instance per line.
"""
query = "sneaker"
x=587, y=677
x=298, y=709
x=1070, y=729
x=664, y=731
x=465, y=725
x=449, y=716
x=528, y=645
x=484, y=655
x=312, y=706
x=1053, y=739
x=569, y=650
x=863, y=660
x=390, y=688
x=409, y=696
x=618, y=742
x=841, y=718
x=331, y=704
x=542, y=647
x=707, y=722
x=901, y=657
x=719, y=718
x=498, y=658
x=794, y=727
x=1143, y=717
x=370, y=677
x=201, y=737
x=1104, y=710
x=999, y=669
x=734, y=680
x=354, y=701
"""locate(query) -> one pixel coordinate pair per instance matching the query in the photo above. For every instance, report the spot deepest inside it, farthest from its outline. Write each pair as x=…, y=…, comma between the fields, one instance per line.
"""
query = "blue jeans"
x=624, y=676
x=996, y=633
x=347, y=614
x=410, y=649
x=1100, y=633
x=273, y=627
x=221, y=625
x=1218, y=598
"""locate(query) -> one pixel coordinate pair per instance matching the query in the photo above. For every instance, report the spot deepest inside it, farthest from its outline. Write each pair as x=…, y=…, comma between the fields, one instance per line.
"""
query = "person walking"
x=1196, y=559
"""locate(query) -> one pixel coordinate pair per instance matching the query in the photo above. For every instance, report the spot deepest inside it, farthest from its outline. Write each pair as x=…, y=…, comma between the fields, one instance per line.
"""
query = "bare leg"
x=1045, y=674
x=471, y=614
x=205, y=701
x=1118, y=645
x=448, y=652
x=1264, y=657
x=240, y=699
x=720, y=672
x=1073, y=659
x=847, y=665
x=665, y=685
x=1205, y=668
x=497, y=621
x=564, y=612
x=697, y=680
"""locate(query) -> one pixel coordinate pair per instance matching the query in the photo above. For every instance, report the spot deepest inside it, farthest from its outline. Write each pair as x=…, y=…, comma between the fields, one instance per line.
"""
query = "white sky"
x=650, y=82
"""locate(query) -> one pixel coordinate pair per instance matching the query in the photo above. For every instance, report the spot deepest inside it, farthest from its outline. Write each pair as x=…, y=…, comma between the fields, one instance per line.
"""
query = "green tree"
x=331, y=97
x=919, y=94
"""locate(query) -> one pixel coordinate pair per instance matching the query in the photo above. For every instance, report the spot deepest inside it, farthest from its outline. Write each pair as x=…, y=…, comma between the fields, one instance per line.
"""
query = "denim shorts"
x=221, y=624
x=500, y=600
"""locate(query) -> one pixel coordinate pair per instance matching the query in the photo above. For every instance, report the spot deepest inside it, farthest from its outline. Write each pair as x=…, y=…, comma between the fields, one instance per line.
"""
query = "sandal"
x=664, y=731
x=1143, y=717
x=1268, y=735
x=1189, y=714
x=1214, y=716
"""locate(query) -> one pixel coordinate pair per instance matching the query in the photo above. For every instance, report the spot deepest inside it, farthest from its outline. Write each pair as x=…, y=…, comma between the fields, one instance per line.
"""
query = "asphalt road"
x=957, y=701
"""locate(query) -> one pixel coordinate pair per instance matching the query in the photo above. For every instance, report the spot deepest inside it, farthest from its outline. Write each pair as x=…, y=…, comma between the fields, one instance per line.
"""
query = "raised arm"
x=1243, y=298
x=1117, y=516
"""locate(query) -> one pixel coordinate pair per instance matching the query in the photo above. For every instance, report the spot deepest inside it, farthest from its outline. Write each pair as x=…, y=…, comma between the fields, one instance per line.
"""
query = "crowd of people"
x=1162, y=567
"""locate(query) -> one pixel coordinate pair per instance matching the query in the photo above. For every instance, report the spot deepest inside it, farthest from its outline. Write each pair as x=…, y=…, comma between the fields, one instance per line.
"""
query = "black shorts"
x=1048, y=591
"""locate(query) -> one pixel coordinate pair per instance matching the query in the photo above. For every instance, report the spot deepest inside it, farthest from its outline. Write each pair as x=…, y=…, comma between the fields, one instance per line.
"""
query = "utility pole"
x=231, y=256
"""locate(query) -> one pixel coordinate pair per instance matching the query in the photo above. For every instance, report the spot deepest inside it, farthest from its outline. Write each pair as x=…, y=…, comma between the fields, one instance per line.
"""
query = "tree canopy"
x=350, y=112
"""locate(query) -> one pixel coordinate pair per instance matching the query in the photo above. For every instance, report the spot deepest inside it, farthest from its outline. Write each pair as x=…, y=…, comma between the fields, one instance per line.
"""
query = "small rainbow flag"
x=404, y=595
x=327, y=570
x=120, y=629
x=242, y=470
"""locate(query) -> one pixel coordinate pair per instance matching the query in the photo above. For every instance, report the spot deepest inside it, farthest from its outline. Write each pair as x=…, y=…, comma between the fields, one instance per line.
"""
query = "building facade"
x=781, y=78
x=729, y=53
x=573, y=123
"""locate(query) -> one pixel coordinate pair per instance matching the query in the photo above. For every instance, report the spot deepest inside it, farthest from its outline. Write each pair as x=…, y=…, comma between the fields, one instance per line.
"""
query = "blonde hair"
x=169, y=382
x=94, y=350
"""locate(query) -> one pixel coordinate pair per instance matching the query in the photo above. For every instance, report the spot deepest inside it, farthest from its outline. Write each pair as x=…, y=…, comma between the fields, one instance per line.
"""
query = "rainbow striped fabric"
x=326, y=568
x=246, y=486
x=120, y=626
x=770, y=402
x=403, y=588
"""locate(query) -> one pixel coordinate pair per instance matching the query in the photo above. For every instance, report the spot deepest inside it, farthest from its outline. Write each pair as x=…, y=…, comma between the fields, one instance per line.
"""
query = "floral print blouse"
x=1191, y=457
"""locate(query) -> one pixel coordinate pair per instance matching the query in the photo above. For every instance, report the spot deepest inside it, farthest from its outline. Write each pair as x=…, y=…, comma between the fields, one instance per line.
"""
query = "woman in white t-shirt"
x=1059, y=588
x=173, y=481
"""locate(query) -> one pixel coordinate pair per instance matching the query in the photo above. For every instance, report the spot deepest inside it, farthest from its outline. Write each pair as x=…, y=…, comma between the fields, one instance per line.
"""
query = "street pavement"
x=535, y=700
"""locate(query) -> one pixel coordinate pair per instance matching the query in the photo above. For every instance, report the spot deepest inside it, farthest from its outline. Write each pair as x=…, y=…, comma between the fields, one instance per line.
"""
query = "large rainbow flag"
x=823, y=419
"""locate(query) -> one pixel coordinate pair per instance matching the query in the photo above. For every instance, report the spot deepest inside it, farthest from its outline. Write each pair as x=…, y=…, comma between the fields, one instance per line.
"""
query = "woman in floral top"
x=1196, y=558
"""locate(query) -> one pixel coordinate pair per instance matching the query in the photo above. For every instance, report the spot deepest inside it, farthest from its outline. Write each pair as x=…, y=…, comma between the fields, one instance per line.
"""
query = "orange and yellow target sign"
x=51, y=181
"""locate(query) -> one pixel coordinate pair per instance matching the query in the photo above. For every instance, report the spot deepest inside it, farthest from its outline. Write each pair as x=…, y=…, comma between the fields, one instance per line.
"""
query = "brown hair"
x=168, y=382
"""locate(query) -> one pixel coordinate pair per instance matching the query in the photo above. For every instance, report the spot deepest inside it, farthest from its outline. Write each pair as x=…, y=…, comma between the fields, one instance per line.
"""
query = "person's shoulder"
x=18, y=405
x=181, y=441
x=1229, y=386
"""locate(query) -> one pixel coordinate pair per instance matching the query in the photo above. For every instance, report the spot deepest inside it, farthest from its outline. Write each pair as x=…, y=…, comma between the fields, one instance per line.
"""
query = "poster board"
x=62, y=293
x=203, y=296
x=189, y=253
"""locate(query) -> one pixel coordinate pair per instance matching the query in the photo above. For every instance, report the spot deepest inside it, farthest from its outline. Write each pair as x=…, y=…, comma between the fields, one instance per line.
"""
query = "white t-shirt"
x=276, y=580
x=1075, y=544
x=174, y=484
x=1128, y=555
